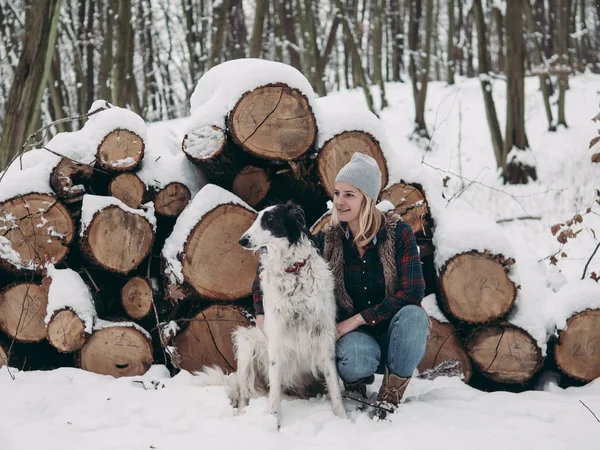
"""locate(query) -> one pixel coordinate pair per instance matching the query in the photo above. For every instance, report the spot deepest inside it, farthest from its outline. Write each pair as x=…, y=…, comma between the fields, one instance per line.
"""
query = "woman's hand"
x=349, y=325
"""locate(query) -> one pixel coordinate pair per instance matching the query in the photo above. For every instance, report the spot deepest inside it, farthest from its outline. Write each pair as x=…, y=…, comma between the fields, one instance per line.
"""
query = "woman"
x=379, y=286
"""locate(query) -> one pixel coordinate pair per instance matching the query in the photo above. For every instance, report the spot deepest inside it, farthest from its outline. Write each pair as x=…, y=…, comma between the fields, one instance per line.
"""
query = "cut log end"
x=338, y=151
x=251, y=185
x=443, y=344
x=273, y=122
x=39, y=229
x=321, y=223
x=476, y=288
x=128, y=188
x=207, y=339
x=409, y=202
x=22, y=312
x=504, y=353
x=136, y=298
x=578, y=349
x=120, y=151
x=204, y=143
x=118, y=351
x=69, y=179
x=66, y=331
x=215, y=265
x=117, y=240
x=171, y=200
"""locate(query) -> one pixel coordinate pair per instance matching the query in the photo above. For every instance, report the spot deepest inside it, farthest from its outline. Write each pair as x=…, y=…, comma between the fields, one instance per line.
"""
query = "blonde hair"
x=369, y=221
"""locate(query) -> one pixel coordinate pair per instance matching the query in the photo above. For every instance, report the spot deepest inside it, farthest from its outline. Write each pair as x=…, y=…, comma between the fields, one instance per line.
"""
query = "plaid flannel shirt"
x=365, y=282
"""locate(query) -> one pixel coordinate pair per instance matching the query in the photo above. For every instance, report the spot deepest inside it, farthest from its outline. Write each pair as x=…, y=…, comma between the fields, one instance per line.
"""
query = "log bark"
x=214, y=265
x=66, y=331
x=207, y=339
x=38, y=227
x=136, y=298
x=475, y=287
x=273, y=122
x=172, y=199
x=69, y=179
x=120, y=151
x=577, y=351
x=23, y=310
x=338, y=151
x=117, y=240
x=120, y=351
x=443, y=344
x=504, y=353
x=128, y=188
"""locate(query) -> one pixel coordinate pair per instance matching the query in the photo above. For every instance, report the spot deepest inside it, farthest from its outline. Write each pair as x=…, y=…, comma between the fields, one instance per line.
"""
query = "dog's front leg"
x=333, y=386
x=274, y=384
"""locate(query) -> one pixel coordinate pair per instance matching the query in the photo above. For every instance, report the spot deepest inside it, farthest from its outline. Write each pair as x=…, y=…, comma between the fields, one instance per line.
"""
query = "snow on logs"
x=114, y=236
x=203, y=252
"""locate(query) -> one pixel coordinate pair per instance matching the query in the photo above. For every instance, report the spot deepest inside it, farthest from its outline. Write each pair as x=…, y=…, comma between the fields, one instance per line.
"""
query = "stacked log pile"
x=150, y=251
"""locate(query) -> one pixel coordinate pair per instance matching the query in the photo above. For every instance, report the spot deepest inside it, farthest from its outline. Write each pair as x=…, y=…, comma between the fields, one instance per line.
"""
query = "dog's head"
x=277, y=223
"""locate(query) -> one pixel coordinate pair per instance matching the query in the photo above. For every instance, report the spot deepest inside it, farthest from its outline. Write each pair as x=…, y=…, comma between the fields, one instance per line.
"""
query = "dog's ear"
x=295, y=222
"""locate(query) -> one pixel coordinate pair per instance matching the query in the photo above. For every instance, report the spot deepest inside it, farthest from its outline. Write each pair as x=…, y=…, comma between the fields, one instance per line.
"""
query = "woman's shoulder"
x=396, y=223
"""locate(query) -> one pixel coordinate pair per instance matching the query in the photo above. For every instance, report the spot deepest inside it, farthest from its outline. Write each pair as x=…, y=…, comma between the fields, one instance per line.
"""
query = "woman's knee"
x=358, y=356
x=412, y=317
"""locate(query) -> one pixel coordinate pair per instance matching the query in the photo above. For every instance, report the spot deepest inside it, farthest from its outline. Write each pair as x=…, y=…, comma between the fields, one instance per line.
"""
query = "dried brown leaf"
x=555, y=229
x=596, y=158
x=578, y=218
x=553, y=260
x=563, y=255
x=597, y=118
x=562, y=237
x=594, y=141
x=569, y=222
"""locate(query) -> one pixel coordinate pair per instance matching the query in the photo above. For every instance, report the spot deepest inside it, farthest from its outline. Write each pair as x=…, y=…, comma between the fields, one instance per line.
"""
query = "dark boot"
x=358, y=388
x=391, y=392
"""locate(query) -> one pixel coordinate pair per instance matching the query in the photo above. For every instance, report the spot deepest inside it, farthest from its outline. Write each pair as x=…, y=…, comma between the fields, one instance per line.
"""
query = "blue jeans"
x=359, y=354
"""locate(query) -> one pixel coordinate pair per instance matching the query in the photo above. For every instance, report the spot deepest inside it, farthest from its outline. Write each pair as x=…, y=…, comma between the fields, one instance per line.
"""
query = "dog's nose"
x=244, y=241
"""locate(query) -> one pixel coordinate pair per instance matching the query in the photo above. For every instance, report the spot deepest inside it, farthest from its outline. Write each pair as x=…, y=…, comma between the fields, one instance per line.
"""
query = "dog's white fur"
x=298, y=344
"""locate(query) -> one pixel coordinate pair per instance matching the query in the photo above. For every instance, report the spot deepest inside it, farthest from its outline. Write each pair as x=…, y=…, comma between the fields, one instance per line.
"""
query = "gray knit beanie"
x=363, y=173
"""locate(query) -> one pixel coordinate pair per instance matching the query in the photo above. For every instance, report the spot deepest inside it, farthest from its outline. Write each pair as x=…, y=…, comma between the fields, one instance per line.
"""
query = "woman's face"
x=347, y=200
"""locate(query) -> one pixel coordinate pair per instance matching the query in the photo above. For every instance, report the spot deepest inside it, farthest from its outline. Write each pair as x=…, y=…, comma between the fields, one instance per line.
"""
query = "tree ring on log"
x=172, y=199
x=128, y=188
x=68, y=179
x=117, y=240
x=578, y=349
x=120, y=151
x=475, y=288
x=338, y=151
x=39, y=229
x=443, y=344
x=273, y=122
x=22, y=312
x=136, y=298
x=215, y=265
x=66, y=331
x=207, y=339
x=251, y=185
x=409, y=202
x=118, y=351
x=504, y=353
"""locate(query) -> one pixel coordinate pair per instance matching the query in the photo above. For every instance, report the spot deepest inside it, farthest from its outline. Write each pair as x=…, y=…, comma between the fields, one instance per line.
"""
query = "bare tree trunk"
x=106, y=58
x=315, y=73
x=218, y=32
x=451, y=52
x=499, y=25
x=563, y=42
x=55, y=84
x=125, y=92
x=30, y=77
x=285, y=17
x=90, y=80
x=239, y=33
x=486, y=87
x=258, y=27
x=190, y=14
x=436, y=42
x=460, y=57
x=517, y=171
x=420, y=75
x=378, y=17
x=469, y=44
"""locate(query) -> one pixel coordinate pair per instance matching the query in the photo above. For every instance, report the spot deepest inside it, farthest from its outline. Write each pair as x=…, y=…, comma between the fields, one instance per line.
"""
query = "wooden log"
x=273, y=122
x=504, y=353
x=70, y=179
x=321, y=223
x=443, y=344
x=128, y=188
x=171, y=199
x=338, y=151
x=120, y=351
x=117, y=240
x=251, y=184
x=136, y=298
x=207, y=341
x=66, y=331
x=409, y=202
x=23, y=310
x=475, y=287
x=577, y=351
x=39, y=230
x=120, y=151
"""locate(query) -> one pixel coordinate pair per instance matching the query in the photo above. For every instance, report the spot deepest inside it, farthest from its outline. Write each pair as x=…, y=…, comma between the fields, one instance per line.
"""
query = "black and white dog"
x=298, y=343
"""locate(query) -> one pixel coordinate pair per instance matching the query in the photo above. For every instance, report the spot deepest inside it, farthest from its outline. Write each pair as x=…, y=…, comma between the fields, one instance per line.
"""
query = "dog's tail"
x=214, y=376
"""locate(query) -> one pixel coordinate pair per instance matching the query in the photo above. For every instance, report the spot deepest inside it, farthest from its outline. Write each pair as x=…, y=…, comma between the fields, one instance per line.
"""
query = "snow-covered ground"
x=71, y=409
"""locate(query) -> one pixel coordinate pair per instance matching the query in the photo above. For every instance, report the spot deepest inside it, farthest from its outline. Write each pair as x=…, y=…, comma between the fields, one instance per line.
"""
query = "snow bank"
x=68, y=290
x=207, y=199
x=94, y=203
x=573, y=298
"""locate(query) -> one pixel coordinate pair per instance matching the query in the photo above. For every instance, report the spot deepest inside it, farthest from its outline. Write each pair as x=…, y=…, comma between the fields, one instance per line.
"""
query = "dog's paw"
x=340, y=411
